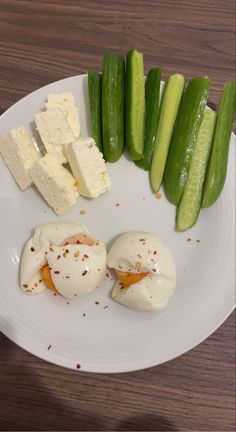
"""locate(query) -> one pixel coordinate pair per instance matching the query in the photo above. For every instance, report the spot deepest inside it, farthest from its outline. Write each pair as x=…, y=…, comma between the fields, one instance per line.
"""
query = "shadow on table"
x=26, y=401
x=146, y=422
x=51, y=398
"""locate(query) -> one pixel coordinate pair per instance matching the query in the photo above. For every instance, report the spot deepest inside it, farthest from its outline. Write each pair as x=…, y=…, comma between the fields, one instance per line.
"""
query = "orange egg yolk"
x=128, y=278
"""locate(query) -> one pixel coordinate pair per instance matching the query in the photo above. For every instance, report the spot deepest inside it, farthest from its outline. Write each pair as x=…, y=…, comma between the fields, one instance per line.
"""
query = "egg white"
x=79, y=269
x=140, y=252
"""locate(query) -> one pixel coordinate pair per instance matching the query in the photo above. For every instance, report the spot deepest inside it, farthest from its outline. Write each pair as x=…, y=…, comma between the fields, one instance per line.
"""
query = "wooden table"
x=43, y=41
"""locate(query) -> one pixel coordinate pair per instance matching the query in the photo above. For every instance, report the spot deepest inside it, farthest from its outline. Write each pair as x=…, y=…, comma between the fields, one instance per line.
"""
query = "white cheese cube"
x=19, y=153
x=55, y=183
x=66, y=102
x=88, y=167
x=54, y=131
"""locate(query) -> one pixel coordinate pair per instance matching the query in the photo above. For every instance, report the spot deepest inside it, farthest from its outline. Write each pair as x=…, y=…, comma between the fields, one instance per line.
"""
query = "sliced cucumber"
x=113, y=76
x=94, y=90
x=190, y=203
x=171, y=98
x=184, y=137
x=135, y=104
x=216, y=172
x=152, y=96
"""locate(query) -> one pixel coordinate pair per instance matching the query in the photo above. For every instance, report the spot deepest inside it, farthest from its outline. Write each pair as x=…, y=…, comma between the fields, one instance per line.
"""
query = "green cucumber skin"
x=190, y=203
x=217, y=168
x=113, y=81
x=184, y=137
x=152, y=96
x=94, y=90
x=170, y=102
x=135, y=106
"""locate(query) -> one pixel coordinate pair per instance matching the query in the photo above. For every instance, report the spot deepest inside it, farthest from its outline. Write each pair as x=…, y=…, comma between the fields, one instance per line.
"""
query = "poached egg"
x=63, y=257
x=145, y=271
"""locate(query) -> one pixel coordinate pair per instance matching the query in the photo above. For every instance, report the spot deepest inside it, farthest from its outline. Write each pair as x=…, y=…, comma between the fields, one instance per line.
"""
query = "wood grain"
x=47, y=40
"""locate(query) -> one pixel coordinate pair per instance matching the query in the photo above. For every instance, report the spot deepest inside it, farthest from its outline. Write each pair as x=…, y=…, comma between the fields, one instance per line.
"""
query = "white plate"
x=114, y=339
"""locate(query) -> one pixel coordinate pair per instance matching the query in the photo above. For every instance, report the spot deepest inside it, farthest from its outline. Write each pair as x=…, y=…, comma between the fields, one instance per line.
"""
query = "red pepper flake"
x=78, y=242
x=107, y=275
x=32, y=249
x=58, y=257
x=78, y=366
x=67, y=277
x=117, y=204
x=57, y=272
x=158, y=195
x=154, y=253
x=67, y=251
x=25, y=286
x=84, y=272
x=154, y=270
x=66, y=243
x=50, y=268
x=51, y=249
x=189, y=239
x=105, y=307
x=49, y=347
x=54, y=294
x=142, y=240
x=86, y=256
x=40, y=280
x=198, y=241
x=97, y=302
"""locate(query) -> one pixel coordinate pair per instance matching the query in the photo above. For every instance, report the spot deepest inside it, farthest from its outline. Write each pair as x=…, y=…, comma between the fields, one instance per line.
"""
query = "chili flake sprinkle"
x=78, y=366
x=97, y=302
x=25, y=286
x=189, y=239
x=32, y=249
x=51, y=249
x=57, y=272
x=84, y=314
x=49, y=347
x=84, y=272
x=117, y=204
x=86, y=256
x=58, y=257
